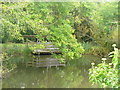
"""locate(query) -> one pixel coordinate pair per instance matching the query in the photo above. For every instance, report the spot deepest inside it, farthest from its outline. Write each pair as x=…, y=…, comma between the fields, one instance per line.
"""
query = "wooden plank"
x=47, y=49
x=45, y=52
x=50, y=48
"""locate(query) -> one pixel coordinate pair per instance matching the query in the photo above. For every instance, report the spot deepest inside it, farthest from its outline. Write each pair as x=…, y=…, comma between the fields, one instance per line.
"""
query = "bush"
x=106, y=74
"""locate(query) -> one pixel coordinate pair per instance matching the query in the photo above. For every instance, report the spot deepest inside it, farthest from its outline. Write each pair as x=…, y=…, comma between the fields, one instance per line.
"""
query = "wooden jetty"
x=43, y=61
x=48, y=50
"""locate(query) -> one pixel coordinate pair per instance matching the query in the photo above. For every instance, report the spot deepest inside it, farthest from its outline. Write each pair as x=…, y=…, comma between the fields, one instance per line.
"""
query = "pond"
x=73, y=75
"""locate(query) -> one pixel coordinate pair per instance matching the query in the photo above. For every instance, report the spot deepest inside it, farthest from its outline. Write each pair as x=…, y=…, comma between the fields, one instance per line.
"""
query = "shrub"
x=106, y=74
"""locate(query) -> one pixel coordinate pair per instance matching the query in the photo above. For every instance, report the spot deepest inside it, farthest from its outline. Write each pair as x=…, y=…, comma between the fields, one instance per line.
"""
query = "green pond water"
x=73, y=75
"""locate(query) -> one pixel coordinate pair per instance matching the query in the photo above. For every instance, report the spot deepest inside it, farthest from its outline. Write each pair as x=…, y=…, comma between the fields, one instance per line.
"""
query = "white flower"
x=116, y=49
x=93, y=63
x=114, y=45
x=22, y=87
x=104, y=59
x=110, y=63
x=95, y=67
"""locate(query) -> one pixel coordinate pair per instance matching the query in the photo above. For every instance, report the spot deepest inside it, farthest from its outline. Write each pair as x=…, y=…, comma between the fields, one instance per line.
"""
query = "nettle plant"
x=106, y=75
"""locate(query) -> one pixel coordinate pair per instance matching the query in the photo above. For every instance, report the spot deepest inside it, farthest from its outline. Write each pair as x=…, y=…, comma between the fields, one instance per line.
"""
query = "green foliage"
x=7, y=66
x=36, y=46
x=93, y=49
x=15, y=49
x=104, y=16
x=12, y=21
x=114, y=35
x=98, y=50
x=63, y=38
x=106, y=74
x=65, y=24
x=48, y=21
x=95, y=22
x=8, y=51
x=83, y=24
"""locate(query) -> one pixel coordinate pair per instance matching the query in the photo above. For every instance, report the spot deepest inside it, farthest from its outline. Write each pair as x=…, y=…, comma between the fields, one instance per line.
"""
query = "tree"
x=48, y=21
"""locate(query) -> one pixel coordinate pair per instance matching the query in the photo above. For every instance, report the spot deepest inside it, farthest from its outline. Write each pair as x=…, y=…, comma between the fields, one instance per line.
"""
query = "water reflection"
x=73, y=75
x=45, y=61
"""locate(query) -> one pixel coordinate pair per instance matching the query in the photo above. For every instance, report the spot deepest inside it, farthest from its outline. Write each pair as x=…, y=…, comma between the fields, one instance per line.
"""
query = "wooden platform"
x=44, y=58
x=48, y=50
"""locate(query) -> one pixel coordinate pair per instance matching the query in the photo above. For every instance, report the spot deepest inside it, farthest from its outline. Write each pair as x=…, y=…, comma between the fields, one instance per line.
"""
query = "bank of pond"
x=26, y=49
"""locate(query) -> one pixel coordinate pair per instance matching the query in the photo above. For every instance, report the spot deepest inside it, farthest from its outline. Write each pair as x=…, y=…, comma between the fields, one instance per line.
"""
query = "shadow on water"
x=73, y=75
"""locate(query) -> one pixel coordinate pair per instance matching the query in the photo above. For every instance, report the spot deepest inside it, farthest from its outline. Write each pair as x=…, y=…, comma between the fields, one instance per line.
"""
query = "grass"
x=15, y=49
